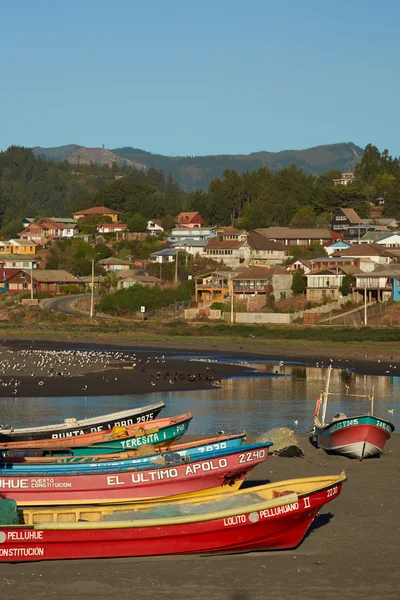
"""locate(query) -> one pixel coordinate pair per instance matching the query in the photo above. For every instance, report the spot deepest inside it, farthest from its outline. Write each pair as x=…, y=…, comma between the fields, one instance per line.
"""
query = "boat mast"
x=325, y=395
x=371, y=399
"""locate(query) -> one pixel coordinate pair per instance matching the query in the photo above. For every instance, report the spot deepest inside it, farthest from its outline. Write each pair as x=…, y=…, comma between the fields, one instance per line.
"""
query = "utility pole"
x=365, y=302
x=176, y=266
x=92, y=291
x=32, y=280
x=231, y=290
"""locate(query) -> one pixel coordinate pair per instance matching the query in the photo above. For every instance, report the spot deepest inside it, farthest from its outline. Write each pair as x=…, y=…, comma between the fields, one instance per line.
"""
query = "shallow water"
x=274, y=395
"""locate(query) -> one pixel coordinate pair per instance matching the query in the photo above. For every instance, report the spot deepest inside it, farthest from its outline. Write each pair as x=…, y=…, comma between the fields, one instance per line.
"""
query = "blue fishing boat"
x=157, y=461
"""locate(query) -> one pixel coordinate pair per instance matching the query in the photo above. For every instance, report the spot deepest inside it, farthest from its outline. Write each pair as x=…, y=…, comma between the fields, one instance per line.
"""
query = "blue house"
x=396, y=289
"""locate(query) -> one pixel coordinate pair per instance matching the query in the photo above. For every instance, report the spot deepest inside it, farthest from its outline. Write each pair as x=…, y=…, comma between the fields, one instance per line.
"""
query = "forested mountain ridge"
x=31, y=186
x=196, y=172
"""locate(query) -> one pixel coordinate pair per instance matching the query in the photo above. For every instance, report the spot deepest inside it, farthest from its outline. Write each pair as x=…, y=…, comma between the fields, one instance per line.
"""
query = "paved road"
x=66, y=304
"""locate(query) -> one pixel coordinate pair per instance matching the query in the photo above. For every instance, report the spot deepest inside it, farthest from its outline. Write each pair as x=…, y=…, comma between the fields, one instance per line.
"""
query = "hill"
x=196, y=172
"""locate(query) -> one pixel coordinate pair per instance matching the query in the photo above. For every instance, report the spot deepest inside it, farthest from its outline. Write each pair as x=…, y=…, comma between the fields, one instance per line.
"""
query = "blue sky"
x=180, y=77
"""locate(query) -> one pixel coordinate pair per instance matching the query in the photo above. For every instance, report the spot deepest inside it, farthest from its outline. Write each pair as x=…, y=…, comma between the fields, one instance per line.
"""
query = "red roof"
x=190, y=217
x=113, y=225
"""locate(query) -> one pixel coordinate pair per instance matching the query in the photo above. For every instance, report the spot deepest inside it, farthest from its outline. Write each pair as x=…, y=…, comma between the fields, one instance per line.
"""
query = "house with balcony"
x=97, y=211
x=380, y=284
x=324, y=284
x=213, y=286
x=46, y=230
x=345, y=179
x=233, y=253
x=183, y=234
x=256, y=284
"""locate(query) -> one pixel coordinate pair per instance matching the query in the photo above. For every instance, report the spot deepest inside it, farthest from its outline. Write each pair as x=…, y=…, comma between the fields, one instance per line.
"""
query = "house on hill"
x=97, y=211
x=154, y=227
x=345, y=179
x=296, y=237
x=111, y=227
x=344, y=218
x=256, y=284
x=43, y=281
x=190, y=219
x=114, y=264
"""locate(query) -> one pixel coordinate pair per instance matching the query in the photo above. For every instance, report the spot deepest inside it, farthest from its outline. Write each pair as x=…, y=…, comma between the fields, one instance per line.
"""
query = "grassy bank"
x=188, y=335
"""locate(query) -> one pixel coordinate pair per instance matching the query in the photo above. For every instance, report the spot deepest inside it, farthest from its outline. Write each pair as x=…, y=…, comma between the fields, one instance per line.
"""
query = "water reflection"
x=251, y=403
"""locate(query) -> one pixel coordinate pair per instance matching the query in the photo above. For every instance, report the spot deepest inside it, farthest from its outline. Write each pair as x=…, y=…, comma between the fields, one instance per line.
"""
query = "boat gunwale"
x=84, y=422
x=329, y=482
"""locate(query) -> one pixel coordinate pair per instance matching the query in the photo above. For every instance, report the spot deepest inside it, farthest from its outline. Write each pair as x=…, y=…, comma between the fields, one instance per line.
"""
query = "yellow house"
x=20, y=247
x=213, y=286
x=96, y=211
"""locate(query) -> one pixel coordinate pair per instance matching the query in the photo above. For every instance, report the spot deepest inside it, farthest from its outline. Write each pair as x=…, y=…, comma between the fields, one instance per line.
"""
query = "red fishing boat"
x=359, y=436
x=223, y=470
x=270, y=517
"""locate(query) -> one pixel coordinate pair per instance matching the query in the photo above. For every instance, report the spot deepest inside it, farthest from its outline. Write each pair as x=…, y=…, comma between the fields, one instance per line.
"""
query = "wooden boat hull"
x=159, y=433
x=78, y=427
x=61, y=466
x=272, y=524
x=226, y=470
x=357, y=437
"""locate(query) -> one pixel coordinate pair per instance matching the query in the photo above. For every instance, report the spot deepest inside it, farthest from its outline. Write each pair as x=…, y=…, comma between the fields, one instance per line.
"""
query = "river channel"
x=270, y=394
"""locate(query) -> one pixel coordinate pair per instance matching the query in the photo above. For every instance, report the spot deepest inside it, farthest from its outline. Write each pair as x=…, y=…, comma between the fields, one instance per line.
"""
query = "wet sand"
x=155, y=368
x=351, y=551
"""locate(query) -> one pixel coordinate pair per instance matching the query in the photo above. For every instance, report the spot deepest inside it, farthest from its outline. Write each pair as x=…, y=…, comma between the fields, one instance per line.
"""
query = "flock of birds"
x=39, y=365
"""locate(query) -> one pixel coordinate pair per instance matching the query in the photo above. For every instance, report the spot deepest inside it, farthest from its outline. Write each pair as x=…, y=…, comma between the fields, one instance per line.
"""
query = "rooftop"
x=97, y=210
x=292, y=234
x=259, y=273
x=113, y=261
x=52, y=276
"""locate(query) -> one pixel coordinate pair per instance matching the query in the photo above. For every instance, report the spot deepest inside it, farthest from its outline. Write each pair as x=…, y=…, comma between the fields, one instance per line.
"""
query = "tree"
x=299, y=283
x=347, y=285
x=137, y=223
x=168, y=222
x=102, y=251
x=304, y=218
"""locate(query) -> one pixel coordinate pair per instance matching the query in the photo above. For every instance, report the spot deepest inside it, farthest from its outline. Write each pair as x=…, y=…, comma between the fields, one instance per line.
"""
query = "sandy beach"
x=351, y=551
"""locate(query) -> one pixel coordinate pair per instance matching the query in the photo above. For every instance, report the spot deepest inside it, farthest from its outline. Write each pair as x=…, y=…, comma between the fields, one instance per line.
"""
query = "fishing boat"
x=275, y=516
x=18, y=462
x=161, y=432
x=361, y=436
x=75, y=427
x=225, y=469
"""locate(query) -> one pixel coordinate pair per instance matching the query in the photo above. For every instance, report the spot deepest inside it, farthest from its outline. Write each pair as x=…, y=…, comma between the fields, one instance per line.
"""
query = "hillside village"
x=267, y=271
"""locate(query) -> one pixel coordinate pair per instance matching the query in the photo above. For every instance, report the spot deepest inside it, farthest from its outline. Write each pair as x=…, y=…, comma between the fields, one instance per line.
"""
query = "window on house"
x=341, y=218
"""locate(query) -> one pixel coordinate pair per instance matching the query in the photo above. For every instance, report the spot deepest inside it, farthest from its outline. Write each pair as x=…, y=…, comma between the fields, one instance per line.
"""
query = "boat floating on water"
x=361, y=436
x=76, y=427
x=275, y=516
